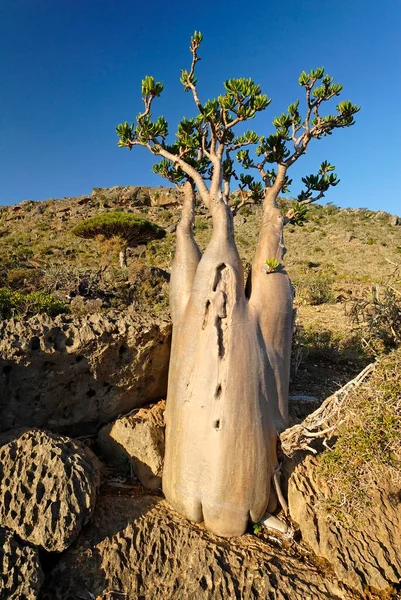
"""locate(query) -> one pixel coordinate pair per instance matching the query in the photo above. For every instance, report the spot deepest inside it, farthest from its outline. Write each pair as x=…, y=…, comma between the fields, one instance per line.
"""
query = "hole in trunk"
x=217, y=278
x=216, y=424
x=218, y=391
x=207, y=306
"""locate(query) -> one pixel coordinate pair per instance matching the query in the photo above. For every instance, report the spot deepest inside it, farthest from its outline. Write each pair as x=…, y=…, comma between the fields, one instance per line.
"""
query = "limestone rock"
x=48, y=487
x=140, y=548
x=71, y=374
x=20, y=572
x=365, y=556
x=137, y=441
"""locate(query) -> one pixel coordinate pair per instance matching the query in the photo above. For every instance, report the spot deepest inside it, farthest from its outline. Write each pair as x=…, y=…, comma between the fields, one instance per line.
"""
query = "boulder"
x=367, y=555
x=136, y=442
x=140, y=548
x=20, y=574
x=48, y=487
x=72, y=374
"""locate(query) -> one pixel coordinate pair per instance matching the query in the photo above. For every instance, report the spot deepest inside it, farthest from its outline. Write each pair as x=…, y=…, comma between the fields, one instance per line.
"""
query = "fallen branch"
x=324, y=421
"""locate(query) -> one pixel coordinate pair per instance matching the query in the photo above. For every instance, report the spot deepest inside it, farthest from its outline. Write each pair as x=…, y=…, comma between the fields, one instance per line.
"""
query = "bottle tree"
x=230, y=357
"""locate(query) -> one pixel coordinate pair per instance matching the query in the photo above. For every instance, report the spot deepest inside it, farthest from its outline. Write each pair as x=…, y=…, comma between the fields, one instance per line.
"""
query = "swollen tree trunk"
x=271, y=298
x=223, y=405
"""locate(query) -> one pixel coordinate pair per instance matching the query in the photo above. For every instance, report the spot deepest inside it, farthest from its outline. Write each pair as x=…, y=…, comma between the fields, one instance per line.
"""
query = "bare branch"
x=189, y=83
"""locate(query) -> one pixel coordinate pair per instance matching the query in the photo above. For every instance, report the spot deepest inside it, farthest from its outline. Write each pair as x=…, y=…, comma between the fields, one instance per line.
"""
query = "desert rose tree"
x=230, y=358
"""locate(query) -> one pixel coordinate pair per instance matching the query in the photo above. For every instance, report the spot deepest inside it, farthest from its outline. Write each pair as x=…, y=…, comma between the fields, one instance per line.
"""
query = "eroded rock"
x=48, y=487
x=73, y=374
x=366, y=555
x=20, y=574
x=140, y=548
x=136, y=442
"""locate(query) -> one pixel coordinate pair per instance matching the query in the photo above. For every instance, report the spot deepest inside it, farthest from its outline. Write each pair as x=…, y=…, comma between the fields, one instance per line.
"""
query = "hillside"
x=337, y=255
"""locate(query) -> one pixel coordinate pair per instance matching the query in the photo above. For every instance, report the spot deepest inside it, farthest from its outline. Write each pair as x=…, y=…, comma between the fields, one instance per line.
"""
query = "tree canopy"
x=206, y=146
x=131, y=228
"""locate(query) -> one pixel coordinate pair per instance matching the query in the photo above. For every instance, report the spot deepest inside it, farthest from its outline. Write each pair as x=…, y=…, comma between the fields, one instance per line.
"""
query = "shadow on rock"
x=140, y=548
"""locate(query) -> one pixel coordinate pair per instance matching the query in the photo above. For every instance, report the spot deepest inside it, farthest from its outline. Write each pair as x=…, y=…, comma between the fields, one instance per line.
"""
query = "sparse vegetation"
x=377, y=314
x=367, y=448
x=328, y=351
x=314, y=289
x=14, y=304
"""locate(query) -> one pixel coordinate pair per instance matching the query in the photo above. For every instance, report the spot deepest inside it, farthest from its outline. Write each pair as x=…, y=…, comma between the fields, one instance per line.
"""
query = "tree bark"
x=221, y=415
x=271, y=299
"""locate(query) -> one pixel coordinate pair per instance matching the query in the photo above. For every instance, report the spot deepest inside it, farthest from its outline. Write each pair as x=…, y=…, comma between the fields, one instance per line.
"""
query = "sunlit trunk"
x=226, y=401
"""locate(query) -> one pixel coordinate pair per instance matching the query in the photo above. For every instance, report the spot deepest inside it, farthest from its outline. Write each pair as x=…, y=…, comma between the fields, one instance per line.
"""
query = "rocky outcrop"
x=367, y=555
x=20, y=572
x=48, y=487
x=136, y=443
x=142, y=549
x=73, y=374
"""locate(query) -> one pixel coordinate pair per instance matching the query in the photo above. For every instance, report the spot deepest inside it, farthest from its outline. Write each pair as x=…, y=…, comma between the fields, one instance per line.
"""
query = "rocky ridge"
x=148, y=551
x=72, y=374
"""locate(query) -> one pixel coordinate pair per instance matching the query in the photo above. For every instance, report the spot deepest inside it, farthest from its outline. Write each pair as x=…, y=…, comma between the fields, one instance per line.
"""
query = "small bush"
x=201, y=224
x=81, y=306
x=314, y=289
x=328, y=346
x=17, y=304
x=377, y=314
x=149, y=288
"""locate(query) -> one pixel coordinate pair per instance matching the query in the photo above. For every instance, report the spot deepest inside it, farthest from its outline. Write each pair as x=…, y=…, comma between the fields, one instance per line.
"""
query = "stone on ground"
x=48, y=487
x=137, y=442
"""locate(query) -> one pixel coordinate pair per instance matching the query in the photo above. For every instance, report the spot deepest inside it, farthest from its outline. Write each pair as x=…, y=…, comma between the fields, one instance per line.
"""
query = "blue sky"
x=71, y=70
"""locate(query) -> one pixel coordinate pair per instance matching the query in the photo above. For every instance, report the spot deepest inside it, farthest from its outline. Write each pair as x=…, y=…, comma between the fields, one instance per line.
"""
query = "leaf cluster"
x=320, y=182
x=203, y=143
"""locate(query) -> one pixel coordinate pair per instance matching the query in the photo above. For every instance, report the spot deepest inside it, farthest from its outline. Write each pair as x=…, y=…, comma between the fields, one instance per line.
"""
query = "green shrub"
x=132, y=228
x=201, y=223
x=314, y=289
x=17, y=304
